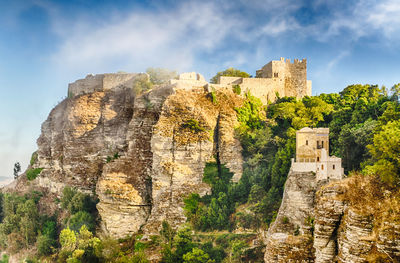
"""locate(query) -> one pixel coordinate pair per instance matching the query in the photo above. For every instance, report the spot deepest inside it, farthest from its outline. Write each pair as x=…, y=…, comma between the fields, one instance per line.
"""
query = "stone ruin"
x=276, y=79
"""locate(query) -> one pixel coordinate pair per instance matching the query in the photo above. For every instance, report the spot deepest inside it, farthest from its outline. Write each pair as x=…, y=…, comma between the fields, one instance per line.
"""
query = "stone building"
x=312, y=154
x=280, y=77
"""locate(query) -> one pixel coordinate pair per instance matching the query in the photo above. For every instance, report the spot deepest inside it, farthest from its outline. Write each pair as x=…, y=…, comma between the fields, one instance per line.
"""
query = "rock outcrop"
x=141, y=154
x=344, y=221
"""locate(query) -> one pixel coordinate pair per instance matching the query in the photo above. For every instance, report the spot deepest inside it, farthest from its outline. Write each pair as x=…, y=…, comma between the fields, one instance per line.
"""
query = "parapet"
x=102, y=82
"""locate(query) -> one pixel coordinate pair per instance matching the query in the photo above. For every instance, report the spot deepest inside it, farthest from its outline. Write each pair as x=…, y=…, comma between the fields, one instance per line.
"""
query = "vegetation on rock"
x=229, y=72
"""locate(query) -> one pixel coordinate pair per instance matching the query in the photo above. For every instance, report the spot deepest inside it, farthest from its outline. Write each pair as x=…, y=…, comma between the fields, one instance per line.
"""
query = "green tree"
x=229, y=72
x=17, y=169
x=197, y=256
x=79, y=219
x=68, y=240
x=385, y=151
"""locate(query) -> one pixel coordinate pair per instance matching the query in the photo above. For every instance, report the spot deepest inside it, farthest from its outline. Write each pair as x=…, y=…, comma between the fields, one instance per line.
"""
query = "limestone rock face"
x=290, y=236
x=141, y=154
x=344, y=221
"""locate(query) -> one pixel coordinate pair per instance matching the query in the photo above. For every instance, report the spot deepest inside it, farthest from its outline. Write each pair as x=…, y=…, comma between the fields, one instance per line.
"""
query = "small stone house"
x=312, y=154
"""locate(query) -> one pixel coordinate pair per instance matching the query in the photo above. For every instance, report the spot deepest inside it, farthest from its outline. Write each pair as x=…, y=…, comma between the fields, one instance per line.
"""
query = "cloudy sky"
x=44, y=45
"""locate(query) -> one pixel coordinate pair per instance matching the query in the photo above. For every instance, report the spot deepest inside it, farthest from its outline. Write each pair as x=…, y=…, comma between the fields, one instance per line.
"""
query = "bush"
x=34, y=158
x=45, y=245
x=81, y=218
x=236, y=89
x=31, y=174
x=193, y=125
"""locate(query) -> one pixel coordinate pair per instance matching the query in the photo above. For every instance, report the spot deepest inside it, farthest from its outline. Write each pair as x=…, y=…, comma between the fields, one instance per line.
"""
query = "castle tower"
x=292, y=75
x=312, y=154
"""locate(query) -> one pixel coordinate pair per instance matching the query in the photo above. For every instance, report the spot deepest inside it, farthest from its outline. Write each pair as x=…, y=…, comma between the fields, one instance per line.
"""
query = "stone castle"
x=312, y=154
x=277, y=78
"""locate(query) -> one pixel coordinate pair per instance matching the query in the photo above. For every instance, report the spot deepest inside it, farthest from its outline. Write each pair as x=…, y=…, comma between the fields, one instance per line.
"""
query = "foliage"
x=160, y=75
x=21, y=222
x=112, y=158
x=76, y=201
x=197, y=256
x=81, y=218
x=141, y=84
x=34, y=158
x=17, y=169
x=236, y=89
x=80, y=246
x=385, y=151
x=230, y=72
x=193, y=125
x=32, y=173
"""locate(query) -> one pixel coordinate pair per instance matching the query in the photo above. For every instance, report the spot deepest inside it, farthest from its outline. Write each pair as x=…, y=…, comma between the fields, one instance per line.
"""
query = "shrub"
x=31, y=174
x=213, y=97
x=45, y=245
x=81, y=218
x=34, y=158
x=236, y=89
x=193, y=125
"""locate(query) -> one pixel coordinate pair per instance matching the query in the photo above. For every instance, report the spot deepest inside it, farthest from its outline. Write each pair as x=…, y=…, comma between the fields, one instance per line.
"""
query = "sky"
x=44, y=45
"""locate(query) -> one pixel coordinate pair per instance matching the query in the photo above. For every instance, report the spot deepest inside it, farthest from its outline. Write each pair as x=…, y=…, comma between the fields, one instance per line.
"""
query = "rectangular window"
x=322, y=144
x=306, y=142
x=322, y=167
x=333, y=167
x=317, y=159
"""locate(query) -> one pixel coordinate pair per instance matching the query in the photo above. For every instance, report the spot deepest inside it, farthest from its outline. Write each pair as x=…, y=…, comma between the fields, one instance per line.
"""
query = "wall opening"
x=317, y=159
x=322, y=167
x=333, y=167
x=306, y=142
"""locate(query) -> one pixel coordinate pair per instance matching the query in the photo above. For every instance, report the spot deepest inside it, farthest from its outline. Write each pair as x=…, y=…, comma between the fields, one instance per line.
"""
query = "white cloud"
x=143, y=38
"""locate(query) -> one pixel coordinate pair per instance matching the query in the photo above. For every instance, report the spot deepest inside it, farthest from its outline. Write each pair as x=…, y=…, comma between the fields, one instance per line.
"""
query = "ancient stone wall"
x=281, y=78
x=101, y=82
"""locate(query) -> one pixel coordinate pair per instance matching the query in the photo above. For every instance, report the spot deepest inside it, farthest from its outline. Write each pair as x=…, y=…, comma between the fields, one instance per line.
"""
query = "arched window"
x=317, y=159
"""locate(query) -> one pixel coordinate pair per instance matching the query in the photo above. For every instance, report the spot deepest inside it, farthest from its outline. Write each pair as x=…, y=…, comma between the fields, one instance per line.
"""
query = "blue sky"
x=44, y=45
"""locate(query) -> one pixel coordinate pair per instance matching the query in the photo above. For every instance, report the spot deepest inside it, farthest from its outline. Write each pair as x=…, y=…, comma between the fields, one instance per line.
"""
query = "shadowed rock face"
x=136, y=153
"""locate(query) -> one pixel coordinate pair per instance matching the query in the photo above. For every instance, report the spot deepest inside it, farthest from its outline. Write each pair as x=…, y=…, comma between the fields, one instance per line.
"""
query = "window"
x=317, y=159
x=275, y=75
x=322, y=144
x=322, y=167
x=333, y=167
x=306, y=142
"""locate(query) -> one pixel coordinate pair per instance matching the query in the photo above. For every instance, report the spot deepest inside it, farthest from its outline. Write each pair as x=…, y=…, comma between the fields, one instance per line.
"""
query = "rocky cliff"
x=141, y=154
x=353, y=220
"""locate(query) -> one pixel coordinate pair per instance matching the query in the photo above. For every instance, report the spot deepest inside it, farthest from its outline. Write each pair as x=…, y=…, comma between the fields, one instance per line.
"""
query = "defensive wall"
x=277, y=78
x=105, y=81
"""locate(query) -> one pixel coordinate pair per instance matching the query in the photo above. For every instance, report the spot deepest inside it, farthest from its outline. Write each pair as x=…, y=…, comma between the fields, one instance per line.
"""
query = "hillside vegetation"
x=364, y=122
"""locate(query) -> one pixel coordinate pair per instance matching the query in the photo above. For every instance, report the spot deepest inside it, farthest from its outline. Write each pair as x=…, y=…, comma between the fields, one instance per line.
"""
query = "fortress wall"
x=89, y=84
x=263, y=88
x=113, y=80
x=309, y=88
x=296, y=78
x=229, y=80
x=101, y=82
